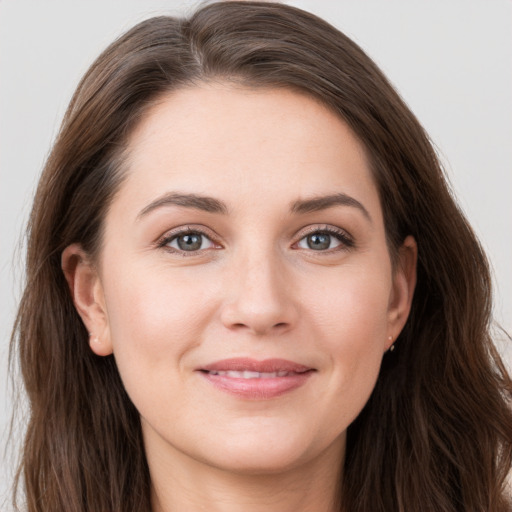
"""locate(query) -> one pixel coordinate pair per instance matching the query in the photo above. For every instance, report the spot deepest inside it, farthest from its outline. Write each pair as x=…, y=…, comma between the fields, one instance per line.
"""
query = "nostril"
x=277, y=326
x=259, y=314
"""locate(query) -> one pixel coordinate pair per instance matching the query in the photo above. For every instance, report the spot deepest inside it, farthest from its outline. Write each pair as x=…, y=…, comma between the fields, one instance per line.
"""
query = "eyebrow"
x=316, y=204
x=212, y=205
x=204, y=203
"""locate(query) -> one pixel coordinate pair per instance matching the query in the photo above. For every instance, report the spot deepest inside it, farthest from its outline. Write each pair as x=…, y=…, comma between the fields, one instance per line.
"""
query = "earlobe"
x=101, y=347
x=87, y=293
x=404, y=283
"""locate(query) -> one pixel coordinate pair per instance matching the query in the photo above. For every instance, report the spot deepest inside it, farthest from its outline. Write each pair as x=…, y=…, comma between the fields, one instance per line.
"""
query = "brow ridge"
x=319, y=203
x=212, y=205
x=195, y=201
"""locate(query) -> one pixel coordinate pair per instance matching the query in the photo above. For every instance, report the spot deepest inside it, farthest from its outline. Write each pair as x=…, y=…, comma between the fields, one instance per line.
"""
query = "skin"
x=254, y=289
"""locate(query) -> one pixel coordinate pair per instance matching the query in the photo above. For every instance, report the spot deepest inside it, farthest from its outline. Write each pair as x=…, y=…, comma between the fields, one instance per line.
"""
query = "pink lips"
x=256, y=380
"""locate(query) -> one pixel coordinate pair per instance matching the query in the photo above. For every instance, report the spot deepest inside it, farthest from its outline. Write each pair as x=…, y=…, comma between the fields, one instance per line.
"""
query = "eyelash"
x=163, y=242
x=346, y=240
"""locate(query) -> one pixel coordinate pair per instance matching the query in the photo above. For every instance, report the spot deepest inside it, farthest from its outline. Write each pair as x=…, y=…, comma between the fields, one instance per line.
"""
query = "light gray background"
x=450, y=60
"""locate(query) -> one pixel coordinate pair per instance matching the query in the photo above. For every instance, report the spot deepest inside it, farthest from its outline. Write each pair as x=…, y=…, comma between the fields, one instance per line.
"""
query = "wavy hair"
x=436, y=434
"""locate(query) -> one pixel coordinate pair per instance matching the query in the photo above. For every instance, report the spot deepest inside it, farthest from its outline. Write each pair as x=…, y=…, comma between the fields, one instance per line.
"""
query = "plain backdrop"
x=450, y=60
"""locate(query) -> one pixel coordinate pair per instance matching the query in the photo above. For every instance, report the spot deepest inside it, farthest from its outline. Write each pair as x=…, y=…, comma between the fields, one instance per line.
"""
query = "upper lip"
x=242, y=364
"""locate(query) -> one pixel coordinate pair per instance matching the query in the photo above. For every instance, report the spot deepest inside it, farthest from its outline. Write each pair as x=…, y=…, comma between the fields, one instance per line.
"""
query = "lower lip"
x=258, y=389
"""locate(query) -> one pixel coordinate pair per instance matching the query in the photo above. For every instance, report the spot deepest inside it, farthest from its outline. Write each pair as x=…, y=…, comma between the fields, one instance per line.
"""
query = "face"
x=244, y=283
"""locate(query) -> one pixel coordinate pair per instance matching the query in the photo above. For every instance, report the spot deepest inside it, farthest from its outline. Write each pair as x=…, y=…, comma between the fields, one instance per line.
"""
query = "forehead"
x=243, y=143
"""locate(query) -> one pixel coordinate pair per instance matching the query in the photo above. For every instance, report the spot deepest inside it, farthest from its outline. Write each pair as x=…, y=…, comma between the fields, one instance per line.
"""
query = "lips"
x=251, y=375
x=253, y=365
x=256, y=380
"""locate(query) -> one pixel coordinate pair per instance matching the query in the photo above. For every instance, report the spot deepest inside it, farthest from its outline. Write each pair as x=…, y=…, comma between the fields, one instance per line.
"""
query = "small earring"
x=93, y=338
x=392, y=347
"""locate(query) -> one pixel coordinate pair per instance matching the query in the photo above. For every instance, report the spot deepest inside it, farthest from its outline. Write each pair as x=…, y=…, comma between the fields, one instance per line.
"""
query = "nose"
x=260, y=297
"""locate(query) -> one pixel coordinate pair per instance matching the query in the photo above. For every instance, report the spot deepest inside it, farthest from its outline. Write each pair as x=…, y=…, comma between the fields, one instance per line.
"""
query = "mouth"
x=251, y=375
x=256, y=380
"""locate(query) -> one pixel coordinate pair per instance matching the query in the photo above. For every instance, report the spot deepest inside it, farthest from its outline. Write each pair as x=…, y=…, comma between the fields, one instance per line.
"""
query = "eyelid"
x=168, y=236
x=346, y=239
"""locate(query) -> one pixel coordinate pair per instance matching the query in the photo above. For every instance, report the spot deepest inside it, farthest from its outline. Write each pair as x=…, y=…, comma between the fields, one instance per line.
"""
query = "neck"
x=193, y=486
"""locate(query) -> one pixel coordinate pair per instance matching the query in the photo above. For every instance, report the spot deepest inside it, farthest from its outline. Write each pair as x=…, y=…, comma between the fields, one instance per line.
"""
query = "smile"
x=252, y=375
x=256, y=380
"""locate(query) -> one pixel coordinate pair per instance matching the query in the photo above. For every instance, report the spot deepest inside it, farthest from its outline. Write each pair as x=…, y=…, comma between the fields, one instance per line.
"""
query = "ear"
x=87, y=293
x=404, y=282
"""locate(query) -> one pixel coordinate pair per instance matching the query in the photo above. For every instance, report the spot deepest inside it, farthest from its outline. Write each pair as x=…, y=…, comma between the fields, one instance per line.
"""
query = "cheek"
x=154, y=319
x=352, y=306
x=350, y=316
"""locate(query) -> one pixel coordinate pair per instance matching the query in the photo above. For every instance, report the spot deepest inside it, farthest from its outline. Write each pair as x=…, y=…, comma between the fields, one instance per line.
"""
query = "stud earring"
x=392, y=347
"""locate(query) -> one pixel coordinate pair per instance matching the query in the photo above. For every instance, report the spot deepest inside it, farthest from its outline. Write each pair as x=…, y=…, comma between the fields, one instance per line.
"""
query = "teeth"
x=250, y=375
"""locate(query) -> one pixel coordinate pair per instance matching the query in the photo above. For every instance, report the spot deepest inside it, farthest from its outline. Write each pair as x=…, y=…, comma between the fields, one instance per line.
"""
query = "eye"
x=190, y=241
x=325, y=240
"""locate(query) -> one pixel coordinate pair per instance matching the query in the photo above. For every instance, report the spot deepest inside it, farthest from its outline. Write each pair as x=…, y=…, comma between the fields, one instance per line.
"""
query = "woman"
x=250, y=289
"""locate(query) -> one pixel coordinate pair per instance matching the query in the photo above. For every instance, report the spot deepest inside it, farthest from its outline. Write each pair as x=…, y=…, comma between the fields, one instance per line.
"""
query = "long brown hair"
x=436, y=433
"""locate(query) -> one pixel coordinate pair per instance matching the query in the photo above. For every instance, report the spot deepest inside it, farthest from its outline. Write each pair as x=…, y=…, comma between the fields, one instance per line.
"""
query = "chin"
x=269, y=451
x=251, y=461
